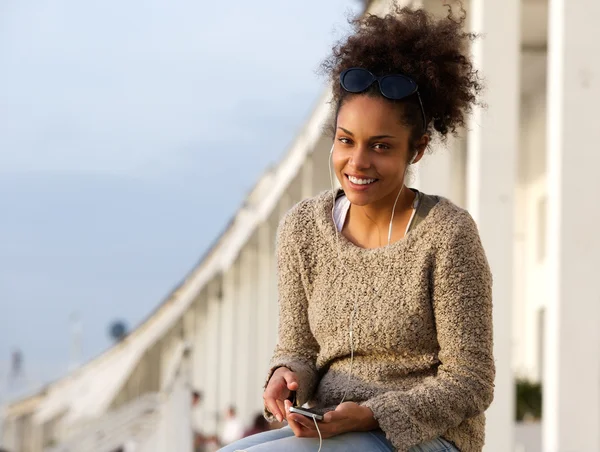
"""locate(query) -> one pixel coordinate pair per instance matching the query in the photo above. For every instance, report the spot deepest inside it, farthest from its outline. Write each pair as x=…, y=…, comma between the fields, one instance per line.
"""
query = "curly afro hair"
x=432, y=51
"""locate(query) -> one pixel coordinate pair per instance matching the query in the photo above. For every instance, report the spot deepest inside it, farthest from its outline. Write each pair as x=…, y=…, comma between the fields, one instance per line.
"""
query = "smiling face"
x=371, y=150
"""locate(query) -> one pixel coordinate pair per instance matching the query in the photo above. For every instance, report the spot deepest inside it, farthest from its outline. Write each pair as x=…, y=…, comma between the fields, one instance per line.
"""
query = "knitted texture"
x=423, y=358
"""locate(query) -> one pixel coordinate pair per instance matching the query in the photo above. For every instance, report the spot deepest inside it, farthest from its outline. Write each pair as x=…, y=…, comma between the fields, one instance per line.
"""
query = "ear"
x=421, y=146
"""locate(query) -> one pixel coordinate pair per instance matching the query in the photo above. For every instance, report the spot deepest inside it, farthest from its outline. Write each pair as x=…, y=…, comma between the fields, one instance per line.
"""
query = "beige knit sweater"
x=423, y=330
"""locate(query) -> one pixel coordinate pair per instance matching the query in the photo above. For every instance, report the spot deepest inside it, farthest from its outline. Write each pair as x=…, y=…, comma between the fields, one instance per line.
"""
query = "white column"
x=282, y=207
x=491, y=163
x=273, y=289
x=227, y=337
x=256, y=369
x=201, y=346
x=457, y=147
x=572, y=359
x=199, y=342
x=265, y=315
x=210, y=403
x=435, y=174
x=244, y=342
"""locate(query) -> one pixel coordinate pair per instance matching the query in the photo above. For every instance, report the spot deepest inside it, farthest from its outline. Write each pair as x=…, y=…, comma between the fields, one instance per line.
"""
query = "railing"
x=132, y=422
x=157, y=422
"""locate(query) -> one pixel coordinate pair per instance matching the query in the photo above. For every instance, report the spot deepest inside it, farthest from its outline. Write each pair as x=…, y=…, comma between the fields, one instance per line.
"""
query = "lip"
x=357, y=187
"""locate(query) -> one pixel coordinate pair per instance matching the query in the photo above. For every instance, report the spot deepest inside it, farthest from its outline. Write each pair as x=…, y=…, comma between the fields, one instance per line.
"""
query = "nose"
x=361, y=158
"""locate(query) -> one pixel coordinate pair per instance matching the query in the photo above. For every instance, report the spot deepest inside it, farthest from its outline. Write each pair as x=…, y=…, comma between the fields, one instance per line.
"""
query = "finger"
x=297, y=418
x=276, y=411
x=296, y=428
x=300, y=425
x=286, y=407
x=304, y=421
x=276, y=390
x=290, y=380
x=332, y=416
x=271, y=404
x=281, y=407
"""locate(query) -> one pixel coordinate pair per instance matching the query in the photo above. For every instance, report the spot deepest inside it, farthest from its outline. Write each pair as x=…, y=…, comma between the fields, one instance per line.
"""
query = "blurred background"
x=147, y=152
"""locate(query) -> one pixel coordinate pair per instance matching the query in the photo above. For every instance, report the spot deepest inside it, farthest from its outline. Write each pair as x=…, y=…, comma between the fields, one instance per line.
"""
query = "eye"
x=344, y=140
x=380, y=147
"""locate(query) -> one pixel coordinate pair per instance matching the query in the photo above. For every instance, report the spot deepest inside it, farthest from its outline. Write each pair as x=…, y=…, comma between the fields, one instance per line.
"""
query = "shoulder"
x=450, y=223
x=455, y=238
x=301, y=218
x=448, y=214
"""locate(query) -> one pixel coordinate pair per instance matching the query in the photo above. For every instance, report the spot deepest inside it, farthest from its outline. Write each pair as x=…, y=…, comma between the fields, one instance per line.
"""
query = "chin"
x=358, y=198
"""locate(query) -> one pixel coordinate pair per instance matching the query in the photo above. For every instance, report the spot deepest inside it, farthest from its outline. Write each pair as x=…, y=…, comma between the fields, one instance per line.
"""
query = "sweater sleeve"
x=463, y=385
x=296, y=349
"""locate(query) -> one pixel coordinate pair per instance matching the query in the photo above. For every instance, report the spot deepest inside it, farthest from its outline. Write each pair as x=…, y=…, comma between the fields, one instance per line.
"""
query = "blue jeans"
x=284, y=440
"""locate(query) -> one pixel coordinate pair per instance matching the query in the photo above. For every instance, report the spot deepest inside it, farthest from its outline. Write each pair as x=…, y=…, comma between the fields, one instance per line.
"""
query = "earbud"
x=331, y=152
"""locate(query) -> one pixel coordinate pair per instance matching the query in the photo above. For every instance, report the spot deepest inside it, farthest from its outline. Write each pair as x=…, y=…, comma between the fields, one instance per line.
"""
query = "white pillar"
x=273, y=289
x=428, y=176
x=245, y=343
x=572, y=359
x=227, y=336
x=204, y=340
x=199, y=342
x=457, y=147
x=442, y=172
x=210, y=403
x=256, y=378
x=491, y=165
x=282, y=207
x=266, y=316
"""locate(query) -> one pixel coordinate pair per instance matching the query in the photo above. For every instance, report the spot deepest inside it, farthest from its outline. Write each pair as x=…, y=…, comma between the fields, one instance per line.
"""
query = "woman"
x=385, y=292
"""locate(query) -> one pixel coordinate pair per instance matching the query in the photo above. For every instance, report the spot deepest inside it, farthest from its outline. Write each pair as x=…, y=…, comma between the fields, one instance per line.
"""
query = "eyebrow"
x=376, y=137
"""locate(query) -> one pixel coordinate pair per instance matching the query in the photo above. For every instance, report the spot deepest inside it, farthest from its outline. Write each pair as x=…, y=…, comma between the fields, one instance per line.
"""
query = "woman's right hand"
x=282, y=383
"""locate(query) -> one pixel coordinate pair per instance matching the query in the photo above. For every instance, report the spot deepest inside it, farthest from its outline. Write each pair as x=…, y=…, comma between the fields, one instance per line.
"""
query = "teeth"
x=354, y=180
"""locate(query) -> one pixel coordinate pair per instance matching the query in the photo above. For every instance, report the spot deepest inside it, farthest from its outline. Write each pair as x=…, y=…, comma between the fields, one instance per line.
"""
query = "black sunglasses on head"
x=395, y=86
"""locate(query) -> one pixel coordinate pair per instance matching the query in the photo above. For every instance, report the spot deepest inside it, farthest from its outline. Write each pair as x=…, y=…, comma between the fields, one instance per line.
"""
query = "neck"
x=376, y=216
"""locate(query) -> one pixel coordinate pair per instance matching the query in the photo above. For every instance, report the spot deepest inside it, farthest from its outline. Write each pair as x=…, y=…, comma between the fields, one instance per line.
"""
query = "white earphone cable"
x=320, y=436
x=394, y=211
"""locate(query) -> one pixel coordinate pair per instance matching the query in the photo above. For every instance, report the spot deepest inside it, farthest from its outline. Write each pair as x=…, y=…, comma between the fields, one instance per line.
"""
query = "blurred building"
x=525, y=169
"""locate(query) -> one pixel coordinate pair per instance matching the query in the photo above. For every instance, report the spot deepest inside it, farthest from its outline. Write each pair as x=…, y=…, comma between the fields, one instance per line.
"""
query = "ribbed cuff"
x=393, y=422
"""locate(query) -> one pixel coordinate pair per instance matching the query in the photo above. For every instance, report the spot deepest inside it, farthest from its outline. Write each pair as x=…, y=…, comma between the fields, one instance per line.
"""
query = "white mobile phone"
x=306, y=412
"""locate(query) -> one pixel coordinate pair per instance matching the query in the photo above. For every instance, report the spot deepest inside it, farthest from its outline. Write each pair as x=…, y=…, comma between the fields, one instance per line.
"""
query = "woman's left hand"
x=347, y=417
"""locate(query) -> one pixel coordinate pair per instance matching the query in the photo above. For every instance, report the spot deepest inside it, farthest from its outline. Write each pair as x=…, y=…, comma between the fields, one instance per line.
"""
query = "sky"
x=130, y=132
